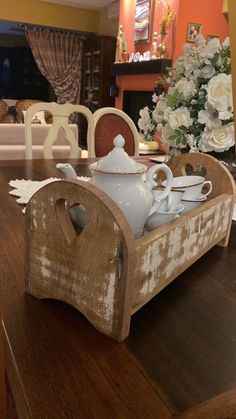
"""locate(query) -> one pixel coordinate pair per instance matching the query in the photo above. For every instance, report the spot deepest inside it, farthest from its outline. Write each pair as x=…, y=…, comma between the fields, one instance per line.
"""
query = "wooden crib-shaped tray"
x=102, y=270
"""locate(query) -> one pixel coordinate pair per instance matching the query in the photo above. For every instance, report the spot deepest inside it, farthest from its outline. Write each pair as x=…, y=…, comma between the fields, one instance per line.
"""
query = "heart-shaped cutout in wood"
x=72, y=219
x=200, y=170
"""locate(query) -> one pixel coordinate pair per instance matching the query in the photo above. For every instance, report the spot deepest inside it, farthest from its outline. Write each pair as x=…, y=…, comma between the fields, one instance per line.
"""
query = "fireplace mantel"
x=140, y=67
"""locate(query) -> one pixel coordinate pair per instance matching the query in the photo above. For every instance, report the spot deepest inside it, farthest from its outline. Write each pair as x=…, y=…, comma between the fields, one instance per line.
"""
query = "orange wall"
x=206, y=12
x=127, y=12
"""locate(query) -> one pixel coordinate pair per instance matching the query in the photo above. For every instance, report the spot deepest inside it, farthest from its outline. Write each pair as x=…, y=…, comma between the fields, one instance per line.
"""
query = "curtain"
x=58, y=56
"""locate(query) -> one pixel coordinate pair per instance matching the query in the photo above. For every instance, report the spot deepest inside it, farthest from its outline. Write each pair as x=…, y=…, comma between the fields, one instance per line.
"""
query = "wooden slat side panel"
x=91, y=271
x=163, y=258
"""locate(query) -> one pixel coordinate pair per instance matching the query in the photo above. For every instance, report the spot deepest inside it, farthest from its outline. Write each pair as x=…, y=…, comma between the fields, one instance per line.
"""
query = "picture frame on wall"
x=209, y=37
x=142, y=20
x=193, y=30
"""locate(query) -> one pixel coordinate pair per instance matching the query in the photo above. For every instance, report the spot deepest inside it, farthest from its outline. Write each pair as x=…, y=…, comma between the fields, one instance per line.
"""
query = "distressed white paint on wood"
x=163, y=258
x=85, y=270
x=107, y=297
x=44, y=265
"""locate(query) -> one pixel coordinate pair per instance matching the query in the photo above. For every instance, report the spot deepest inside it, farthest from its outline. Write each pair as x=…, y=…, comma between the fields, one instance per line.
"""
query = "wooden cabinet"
x=98, y=56
x=225, y=7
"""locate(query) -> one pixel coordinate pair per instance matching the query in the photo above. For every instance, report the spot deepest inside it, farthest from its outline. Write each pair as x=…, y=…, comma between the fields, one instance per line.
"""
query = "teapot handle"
x=169, y=181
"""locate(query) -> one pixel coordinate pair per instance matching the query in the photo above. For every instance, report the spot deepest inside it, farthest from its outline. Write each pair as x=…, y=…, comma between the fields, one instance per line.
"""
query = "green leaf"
x=172, y=138
x=173, y=98
x=171, y=101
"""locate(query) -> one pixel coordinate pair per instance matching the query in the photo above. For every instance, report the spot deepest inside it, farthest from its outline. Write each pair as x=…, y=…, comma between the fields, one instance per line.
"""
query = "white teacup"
x=159, y=218
x=170, y=202
x=192, y=186
x=190, y=205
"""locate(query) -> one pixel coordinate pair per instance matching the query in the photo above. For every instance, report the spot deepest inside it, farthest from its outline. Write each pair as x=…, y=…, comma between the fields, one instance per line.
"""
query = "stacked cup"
x=192, y=187
x=166, y=209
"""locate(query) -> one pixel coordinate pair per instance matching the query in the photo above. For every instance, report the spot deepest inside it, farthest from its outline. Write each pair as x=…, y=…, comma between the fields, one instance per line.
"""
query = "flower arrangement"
x=196, y=113
x=166, y=20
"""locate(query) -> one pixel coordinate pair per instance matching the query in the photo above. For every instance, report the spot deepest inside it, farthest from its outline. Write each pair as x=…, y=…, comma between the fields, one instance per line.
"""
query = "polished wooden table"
x=180, y=357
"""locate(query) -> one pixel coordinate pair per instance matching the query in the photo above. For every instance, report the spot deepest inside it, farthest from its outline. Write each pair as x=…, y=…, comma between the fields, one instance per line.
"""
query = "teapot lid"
x=118, y=161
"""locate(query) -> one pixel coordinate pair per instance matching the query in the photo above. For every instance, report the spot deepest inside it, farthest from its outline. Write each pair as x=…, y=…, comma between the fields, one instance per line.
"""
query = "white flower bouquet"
x=197, y=111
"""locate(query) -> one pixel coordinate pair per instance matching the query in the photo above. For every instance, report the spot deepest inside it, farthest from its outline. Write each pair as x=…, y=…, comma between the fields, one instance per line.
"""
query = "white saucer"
x=201, y=198
x=179, y=209
x=159, y=218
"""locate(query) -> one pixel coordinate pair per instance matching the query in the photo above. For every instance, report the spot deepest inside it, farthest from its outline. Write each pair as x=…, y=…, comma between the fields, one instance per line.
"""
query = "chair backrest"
x=109, y=122
x=60, y=119
x=3, y=109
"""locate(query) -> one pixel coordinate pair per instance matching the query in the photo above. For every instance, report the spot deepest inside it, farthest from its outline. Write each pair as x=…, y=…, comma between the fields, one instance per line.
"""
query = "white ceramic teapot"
x=121, y=178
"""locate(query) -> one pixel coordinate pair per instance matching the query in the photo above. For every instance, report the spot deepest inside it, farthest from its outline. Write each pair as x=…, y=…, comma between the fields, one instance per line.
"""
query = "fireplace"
x=134, y=100
x=138, y=79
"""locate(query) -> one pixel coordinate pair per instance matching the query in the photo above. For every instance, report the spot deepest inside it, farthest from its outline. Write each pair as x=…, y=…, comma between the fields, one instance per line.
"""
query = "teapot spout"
x=77, y=213
x=67, y=169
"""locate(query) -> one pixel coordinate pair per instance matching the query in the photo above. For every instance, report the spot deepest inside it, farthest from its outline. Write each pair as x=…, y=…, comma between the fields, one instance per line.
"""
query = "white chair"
x=107, y=123
x=60, y=119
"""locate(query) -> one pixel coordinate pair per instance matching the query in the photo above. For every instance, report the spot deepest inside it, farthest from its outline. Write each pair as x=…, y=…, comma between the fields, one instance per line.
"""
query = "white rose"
x=226, y=42
x=145, y=121
x=191, y=140
x=180, y=117
x=200, y=40
x=213, y=123
x=208, y=71
x=207, y=51
x=191, y=64
x=179, y=66
x=209, y=118
x=204, y=116
x=219, y=139
x=219, y=92
x=187, y=49
x=166, y=132
x=155, y=98
x=186, y=87
x=158, y=114
x=225, y=115
x=219, y=62
x=213, y=45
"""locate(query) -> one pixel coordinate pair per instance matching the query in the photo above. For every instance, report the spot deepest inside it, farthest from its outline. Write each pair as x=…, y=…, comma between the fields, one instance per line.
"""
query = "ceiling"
x=86, y=4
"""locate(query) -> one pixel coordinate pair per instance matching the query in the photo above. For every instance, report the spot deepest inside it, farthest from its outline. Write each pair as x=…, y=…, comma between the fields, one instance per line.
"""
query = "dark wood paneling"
x=142, y=67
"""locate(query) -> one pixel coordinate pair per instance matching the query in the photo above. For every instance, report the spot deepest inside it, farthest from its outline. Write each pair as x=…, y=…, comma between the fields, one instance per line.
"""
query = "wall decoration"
x=193, y=29
x=166, y=21
x=209, y=37
x=142, y=20
x=121, y=54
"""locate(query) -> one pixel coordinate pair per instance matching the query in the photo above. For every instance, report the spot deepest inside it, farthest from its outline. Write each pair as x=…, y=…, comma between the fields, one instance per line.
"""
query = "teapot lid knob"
x=119, y=141
x=118, y=161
